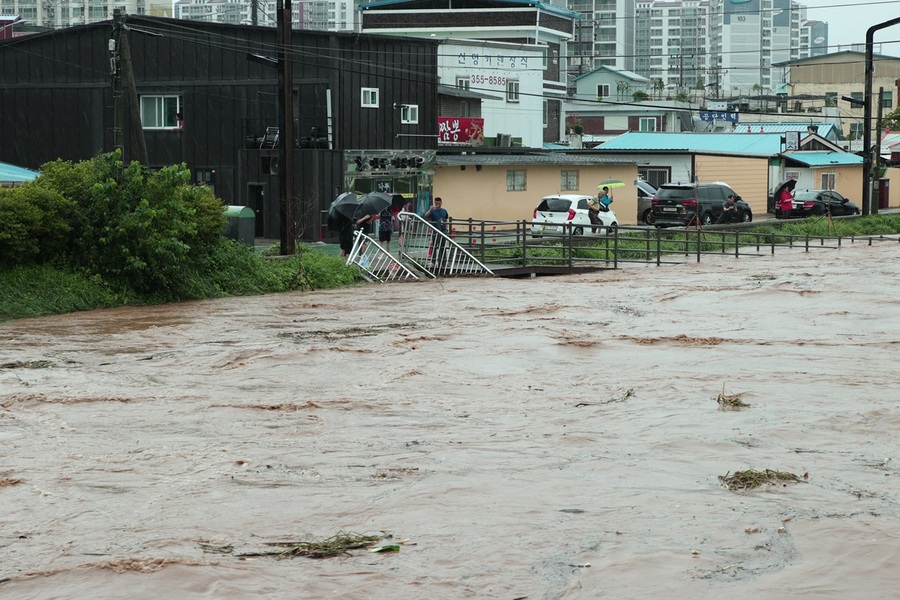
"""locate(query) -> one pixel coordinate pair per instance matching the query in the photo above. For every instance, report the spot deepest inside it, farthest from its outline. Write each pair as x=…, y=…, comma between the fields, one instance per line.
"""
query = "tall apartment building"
x=813, y=39
x=746, y=37
x=604, y=36
x=671, y=41
x=725, y=47
x=65, y=13
x=324, y=15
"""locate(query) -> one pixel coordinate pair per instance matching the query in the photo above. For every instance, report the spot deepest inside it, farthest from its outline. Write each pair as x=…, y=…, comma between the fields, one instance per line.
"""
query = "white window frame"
x=647, y=124
x=516, y=180
x=156, y=109
x=368, y=97
x=828, y=180
x=463, y=83
x=512, y=90
x=409, y=114
x=603, y=90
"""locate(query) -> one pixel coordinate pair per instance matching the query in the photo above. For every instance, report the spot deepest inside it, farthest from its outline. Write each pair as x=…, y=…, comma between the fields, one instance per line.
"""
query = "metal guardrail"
x=510, y=244
x=507, y=247
x=434, y=252
x=377, y=264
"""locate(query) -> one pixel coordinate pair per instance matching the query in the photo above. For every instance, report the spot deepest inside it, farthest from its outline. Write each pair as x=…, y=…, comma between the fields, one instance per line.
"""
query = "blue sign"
x=711, y=115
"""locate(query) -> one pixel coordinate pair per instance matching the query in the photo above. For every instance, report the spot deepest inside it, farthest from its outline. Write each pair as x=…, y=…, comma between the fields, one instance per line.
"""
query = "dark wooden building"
x=364, y=108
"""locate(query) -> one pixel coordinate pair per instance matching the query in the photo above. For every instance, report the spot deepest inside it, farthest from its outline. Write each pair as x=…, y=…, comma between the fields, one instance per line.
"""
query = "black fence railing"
x=513, y=244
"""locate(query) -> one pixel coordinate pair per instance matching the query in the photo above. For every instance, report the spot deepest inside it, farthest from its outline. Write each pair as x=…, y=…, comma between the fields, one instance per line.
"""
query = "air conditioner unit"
x=503, y=139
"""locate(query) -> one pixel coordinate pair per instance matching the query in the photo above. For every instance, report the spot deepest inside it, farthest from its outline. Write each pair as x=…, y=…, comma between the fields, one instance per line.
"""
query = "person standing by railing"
x=438, y=216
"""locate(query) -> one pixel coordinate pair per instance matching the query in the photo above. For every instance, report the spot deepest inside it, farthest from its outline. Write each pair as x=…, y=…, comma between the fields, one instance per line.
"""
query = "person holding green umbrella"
x=604, y=196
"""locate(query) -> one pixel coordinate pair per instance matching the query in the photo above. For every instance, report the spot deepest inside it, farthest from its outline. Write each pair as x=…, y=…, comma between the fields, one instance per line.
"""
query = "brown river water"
x=557, y=437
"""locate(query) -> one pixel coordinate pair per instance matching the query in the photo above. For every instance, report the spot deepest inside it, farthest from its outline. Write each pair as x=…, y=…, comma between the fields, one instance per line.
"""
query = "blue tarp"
x=13, y=174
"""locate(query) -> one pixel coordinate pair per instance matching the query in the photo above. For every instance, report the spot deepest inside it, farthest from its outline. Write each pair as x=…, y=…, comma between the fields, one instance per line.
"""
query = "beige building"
x=832, y=76
x=505, y=187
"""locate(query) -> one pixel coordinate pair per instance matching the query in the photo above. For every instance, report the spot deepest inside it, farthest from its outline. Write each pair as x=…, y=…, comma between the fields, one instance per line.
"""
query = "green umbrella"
x=610, y=183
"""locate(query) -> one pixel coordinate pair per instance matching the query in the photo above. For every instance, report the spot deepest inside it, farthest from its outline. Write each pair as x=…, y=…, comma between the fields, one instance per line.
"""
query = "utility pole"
x=254, y=12
x=116, y=72
x=125, y=66
x=876, y=160
x=867, y=116
x=286, y=127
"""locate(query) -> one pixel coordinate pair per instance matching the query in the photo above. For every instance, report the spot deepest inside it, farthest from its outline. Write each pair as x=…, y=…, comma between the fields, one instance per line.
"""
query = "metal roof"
x=627, y=74
x=822, y=129
x=760, y=144
x=534, y=159
x=824, y=159
x=13, y=174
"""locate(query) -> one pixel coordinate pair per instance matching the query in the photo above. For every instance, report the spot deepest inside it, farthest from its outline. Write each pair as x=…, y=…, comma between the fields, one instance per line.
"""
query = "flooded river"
x=546, y=438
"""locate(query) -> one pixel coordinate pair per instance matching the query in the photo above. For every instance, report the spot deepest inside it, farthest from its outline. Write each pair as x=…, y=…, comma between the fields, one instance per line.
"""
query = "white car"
x=556, y=214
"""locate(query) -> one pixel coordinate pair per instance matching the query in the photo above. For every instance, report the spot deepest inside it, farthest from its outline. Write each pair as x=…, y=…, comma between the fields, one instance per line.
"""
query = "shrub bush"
x=33, y=225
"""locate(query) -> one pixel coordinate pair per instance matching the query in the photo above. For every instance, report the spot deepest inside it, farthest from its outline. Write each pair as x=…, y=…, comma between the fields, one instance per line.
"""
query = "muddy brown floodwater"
x=543, y=438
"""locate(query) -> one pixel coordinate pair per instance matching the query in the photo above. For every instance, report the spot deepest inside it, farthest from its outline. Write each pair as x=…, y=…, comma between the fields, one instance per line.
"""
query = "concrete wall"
x=482, y=194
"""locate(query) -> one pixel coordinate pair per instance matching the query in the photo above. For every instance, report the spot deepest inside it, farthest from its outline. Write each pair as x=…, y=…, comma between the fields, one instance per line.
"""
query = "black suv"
x=685, y=203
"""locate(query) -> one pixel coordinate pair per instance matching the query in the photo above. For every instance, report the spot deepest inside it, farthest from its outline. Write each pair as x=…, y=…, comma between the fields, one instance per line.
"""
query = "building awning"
x=824, y=159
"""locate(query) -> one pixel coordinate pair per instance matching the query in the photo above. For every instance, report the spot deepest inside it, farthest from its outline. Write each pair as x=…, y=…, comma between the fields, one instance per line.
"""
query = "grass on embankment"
x=231, y=270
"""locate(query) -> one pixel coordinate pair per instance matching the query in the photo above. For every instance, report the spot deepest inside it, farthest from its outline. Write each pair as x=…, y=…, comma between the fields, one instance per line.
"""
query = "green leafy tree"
x=640, y=96
x=892, y=120
x=134, y=228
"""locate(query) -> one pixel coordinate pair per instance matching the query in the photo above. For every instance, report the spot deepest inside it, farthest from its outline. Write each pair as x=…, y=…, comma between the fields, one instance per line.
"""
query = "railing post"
x=524, y=244
x=615, y=248
x=807, y=242
x=482, y=241
x=698, y=245
x=737, y=245
x=658, y=246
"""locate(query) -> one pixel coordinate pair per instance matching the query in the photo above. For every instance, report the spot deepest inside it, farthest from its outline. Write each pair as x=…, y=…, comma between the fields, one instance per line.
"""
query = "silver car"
x=645, y=193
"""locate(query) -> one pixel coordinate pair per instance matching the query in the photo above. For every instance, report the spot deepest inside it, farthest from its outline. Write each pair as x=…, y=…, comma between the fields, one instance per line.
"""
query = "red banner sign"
x=461, y=130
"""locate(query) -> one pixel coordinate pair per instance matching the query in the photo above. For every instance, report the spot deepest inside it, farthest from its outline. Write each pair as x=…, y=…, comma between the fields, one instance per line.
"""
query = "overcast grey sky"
x=848, y=21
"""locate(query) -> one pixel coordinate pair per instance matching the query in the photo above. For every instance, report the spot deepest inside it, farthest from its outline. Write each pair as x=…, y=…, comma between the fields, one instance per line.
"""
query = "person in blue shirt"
x=438, y=217
x=605, y=199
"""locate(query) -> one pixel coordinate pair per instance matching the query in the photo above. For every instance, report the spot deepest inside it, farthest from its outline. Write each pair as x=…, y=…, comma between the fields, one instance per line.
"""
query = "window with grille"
x=568, y=181
x=515, y=181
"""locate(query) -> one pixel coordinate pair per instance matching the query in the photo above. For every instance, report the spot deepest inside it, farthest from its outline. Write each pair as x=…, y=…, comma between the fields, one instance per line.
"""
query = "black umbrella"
x=342, y=210
x=372, y=204
x=786, y=184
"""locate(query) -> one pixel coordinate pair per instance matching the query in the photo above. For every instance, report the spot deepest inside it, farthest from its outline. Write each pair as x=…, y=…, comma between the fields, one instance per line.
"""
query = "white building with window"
x=510, y=78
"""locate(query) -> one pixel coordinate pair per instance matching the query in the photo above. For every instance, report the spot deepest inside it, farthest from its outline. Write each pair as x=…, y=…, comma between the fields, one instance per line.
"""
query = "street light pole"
x=867, y=117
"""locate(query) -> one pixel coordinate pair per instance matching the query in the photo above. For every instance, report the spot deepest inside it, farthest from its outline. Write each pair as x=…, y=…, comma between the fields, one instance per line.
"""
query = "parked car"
x=818, y=202
x=555, y=213
x=645, y=193
x=685, y=203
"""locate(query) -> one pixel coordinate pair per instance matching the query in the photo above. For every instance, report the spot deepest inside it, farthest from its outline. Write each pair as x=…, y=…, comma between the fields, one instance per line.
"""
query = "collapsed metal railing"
x=433, y=251
x=377, y=264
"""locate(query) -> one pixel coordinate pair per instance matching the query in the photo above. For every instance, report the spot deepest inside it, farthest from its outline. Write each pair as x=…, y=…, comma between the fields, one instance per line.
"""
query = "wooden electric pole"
x=125, y=66
x=286, y=128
